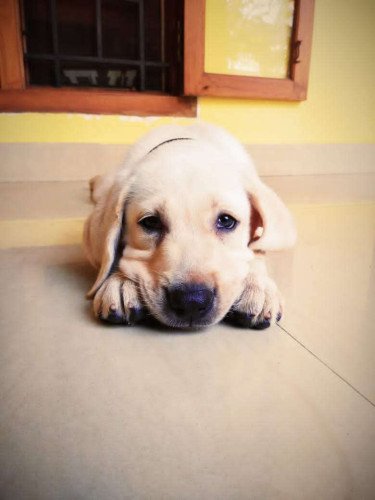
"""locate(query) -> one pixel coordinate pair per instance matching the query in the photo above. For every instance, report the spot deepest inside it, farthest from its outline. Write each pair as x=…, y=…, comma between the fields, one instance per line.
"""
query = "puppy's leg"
x=117, y=301
x=260, y=304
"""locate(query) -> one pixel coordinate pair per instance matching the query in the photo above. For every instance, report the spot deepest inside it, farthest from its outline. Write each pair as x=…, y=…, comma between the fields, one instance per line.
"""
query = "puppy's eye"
x=151, y=224
x=226, y=222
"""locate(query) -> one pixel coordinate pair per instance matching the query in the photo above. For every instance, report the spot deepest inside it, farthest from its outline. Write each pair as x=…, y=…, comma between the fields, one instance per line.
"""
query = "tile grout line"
x=327, y=366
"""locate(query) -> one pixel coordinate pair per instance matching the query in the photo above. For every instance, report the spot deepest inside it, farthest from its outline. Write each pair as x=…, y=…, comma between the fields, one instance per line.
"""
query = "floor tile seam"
x=319, y=174
x=324, y=363
x=44, y=181
x=37, y=220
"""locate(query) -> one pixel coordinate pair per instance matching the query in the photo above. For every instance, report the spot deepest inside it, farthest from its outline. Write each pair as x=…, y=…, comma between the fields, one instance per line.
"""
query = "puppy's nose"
x=190, y=301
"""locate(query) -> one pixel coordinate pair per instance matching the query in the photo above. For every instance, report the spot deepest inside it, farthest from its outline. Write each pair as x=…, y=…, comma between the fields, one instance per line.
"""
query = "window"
x=101, y=43
x=138, y=56
x=201, y=79
x=93, y=56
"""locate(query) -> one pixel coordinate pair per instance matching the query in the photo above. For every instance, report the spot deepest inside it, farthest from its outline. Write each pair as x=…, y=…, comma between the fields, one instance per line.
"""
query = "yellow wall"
x=340, y=106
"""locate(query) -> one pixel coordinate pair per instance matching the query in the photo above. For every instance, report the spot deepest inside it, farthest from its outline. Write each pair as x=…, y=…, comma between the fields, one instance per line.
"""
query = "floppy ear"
x=106, y=227
x=272, y=226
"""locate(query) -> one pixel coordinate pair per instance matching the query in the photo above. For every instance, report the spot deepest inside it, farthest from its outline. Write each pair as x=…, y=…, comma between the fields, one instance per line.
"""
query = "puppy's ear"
x=272, y=226
x=107, y=229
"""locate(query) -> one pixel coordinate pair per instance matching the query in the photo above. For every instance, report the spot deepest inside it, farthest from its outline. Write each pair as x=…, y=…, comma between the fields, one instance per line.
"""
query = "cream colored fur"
x=191, y=182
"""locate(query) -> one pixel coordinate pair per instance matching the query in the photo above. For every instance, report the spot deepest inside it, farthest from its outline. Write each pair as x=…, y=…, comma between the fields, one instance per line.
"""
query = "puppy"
x=180, y=232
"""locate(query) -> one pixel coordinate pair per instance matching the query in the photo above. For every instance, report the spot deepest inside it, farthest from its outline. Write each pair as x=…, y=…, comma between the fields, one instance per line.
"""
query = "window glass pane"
x=41, y=73
x=156, y=79
x=76, y=58
x=76, y=27
x=37, y=27
x=120, y=26
x=153, y=30
x=248, y=37
x=75, y=74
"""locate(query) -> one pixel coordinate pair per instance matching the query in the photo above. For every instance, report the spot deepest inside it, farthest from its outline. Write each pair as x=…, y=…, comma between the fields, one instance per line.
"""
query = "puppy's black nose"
x=190, y=301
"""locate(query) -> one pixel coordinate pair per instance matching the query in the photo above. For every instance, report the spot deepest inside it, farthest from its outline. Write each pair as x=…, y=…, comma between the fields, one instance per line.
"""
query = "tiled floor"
x=95, y=412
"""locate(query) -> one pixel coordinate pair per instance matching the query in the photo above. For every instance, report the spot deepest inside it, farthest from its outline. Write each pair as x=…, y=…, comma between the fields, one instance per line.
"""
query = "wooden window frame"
x=16, y=96
x=293, y=88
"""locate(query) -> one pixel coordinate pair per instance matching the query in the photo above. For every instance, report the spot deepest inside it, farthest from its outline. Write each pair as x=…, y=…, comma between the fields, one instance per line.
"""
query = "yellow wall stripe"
x=40, y=232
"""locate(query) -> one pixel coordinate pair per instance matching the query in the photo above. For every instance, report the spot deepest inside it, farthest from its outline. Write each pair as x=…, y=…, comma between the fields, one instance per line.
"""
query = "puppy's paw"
x=117, y=302
x=259, y=306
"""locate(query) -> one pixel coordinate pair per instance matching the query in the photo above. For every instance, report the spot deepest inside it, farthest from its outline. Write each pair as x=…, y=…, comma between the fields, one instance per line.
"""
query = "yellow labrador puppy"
x=180, y=231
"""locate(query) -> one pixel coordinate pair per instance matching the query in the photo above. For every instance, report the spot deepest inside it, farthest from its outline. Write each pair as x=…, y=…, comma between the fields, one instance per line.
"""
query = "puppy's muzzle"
x=190, y=302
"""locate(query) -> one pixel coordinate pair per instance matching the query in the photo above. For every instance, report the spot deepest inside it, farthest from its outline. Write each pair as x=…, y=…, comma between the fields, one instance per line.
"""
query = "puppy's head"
x=187, y=223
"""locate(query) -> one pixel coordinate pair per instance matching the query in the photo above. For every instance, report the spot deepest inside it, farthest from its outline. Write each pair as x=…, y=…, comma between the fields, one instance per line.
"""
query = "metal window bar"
x=97, y=60
x=57, y=58
x=98, y=15
x=141, y=18
x=162, y=38
x=55, y=41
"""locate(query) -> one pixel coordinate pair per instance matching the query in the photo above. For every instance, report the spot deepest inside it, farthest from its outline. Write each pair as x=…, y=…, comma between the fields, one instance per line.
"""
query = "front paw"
x=117, y=302
x=259, y=306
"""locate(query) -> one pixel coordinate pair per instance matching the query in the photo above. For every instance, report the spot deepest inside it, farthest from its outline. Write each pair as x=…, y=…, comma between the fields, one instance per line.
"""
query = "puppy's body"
x=178, y=229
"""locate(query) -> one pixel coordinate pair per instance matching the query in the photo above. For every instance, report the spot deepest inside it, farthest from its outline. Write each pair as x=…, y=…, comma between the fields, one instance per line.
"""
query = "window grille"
x=100, y=43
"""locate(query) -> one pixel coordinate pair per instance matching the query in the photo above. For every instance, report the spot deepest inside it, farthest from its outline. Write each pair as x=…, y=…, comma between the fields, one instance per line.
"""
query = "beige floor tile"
x=89, y=411
x=321, y=188
x=44, y=200
x=329, y=284
x=49, y=200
